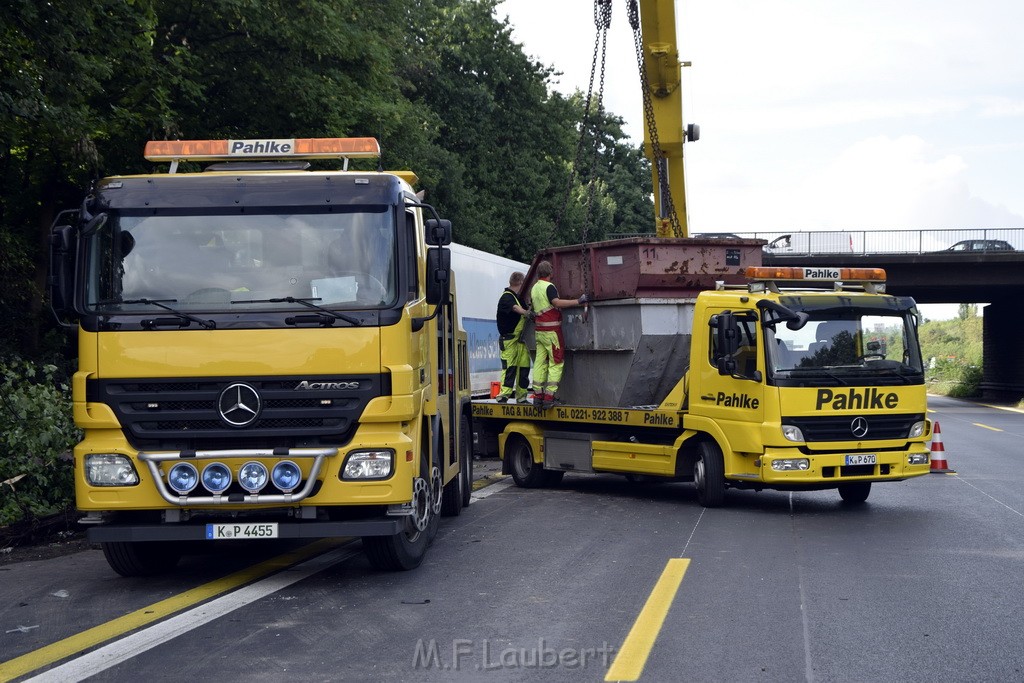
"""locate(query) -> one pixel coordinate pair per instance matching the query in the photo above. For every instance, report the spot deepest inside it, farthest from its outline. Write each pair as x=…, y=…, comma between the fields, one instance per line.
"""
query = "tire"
x=709, y=475
x=406, y=550
x=141, y=558
x=855, y=492
x=526, y=473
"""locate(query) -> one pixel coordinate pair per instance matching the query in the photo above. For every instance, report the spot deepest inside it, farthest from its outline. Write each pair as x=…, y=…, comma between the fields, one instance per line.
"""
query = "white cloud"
x=820, y=114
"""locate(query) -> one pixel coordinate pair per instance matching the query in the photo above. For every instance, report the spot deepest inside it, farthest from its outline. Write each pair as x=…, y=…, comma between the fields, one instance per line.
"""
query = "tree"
x=71, y=77
x=441, y=83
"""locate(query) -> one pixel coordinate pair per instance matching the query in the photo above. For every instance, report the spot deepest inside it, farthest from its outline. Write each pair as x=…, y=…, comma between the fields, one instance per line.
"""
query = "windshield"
x=216, y=262
x=848, y=345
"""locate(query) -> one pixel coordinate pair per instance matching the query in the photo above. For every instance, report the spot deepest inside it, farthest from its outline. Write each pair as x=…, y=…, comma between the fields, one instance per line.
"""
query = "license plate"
x=861, y=459
x=232, y=532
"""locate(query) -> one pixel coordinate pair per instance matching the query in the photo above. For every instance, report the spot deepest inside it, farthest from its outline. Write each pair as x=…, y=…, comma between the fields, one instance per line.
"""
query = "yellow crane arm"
x=661, y=61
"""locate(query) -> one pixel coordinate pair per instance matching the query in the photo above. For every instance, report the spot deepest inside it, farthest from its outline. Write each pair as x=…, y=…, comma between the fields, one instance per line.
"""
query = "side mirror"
x=439, y=232
x=727, y=341
x=61, y=276
x=439, y=268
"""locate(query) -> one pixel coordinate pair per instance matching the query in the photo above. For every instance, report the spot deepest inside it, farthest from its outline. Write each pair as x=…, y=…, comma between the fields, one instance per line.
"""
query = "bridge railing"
x=879, y=241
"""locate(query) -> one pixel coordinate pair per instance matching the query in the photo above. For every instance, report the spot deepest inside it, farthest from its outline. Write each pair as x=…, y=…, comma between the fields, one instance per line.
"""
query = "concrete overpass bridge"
x=987, y=266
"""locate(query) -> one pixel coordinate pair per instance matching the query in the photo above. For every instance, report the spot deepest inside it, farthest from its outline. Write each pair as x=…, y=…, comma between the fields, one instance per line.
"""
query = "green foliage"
x=441, y=83
x=36, y=433
x=952, y=352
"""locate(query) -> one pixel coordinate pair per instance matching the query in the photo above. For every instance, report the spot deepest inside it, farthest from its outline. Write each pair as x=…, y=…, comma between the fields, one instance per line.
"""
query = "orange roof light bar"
x=820, y=274
x=291, y=148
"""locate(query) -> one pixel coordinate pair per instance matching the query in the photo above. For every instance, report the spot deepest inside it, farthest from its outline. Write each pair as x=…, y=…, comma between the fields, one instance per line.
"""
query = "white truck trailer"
x=482, y=277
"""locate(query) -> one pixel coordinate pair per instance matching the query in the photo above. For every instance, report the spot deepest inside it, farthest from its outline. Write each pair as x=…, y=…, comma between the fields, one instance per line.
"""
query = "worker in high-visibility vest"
x=550, y=359
x=511, y=318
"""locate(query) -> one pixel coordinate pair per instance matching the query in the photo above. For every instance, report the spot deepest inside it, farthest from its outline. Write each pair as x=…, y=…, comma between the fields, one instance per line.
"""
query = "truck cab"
x=796, y=387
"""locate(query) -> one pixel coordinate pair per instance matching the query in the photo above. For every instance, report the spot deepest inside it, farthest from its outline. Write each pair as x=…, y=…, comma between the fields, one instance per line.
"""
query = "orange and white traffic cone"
x=938, y=454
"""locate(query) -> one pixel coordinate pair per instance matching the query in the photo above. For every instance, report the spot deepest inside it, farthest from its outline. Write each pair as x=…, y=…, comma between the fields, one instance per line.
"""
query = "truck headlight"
x=789, y=464
x=286, y=476
x=917, y=429
x=368, y=465
x=110, y=469
x=183, y=477
x=917, y=459
x=253, y=476
x=792, y=433
x=216, y=477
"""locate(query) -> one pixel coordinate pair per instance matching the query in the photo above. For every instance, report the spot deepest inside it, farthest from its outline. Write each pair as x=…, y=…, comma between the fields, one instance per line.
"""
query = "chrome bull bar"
x=154, y=459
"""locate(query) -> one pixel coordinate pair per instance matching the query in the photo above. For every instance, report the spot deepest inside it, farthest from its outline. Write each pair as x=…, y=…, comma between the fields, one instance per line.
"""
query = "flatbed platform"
x=642, y=416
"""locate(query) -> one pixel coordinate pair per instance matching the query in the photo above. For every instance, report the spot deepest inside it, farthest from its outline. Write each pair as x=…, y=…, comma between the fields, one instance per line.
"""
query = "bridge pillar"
x=1003, y=370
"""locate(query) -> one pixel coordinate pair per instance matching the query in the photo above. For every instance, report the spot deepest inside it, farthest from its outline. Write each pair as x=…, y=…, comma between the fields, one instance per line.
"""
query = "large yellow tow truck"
x=265, y=351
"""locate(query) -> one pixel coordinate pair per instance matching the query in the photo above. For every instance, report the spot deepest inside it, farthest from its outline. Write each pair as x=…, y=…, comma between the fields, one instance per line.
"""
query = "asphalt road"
x=598, y=579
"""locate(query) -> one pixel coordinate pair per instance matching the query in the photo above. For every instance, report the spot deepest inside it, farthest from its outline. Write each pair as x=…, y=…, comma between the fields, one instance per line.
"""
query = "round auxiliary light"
x=216, y=477
x=286, y=476
x=183, y=477
x=253, y=476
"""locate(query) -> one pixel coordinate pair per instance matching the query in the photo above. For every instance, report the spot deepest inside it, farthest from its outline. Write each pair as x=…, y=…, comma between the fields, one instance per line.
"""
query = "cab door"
x=734, y=400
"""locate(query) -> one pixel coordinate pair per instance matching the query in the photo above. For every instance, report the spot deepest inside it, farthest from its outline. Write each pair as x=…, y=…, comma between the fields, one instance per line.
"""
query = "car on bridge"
x=982, y=245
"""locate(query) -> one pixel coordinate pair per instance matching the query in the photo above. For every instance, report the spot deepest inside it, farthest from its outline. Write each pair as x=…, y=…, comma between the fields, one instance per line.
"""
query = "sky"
x=821, y=114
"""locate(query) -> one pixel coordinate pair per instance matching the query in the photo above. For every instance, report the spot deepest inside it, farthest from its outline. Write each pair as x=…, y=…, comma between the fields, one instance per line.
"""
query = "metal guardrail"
x=966, y=240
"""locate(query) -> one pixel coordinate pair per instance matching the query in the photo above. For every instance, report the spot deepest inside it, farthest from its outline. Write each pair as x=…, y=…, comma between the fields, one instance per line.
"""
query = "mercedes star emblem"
x=239, y=405
x=859, y=427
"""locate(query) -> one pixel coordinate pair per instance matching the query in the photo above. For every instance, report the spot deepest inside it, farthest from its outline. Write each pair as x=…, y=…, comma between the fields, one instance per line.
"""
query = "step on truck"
x=733, y=377
x=265, y=351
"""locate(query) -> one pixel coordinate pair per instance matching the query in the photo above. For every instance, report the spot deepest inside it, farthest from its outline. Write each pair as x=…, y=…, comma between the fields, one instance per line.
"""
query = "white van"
x=811, y=243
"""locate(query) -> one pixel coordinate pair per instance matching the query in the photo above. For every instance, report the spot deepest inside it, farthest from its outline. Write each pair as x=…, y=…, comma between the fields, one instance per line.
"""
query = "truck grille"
x=840, y=428
x=187, y=414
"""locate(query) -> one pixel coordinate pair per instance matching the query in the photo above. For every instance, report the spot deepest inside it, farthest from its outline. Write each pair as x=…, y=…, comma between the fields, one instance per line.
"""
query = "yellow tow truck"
x=265, y=351
x=694, y=362
x=802, y=379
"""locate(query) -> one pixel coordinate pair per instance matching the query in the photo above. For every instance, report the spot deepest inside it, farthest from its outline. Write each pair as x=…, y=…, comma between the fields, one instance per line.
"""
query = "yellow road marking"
x=71, y=645
x=632, y=657
x=994, y=429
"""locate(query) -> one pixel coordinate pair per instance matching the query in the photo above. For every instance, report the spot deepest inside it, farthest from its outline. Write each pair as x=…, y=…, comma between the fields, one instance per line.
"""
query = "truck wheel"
x=855, y=492
x=709, y=475
x=405, y=550
x=525, y=472
x=141, y=558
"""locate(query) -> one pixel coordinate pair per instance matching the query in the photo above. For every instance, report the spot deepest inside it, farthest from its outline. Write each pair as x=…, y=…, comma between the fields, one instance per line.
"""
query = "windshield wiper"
x=162, y=303
x=819, y=371
x=896, y=372
x=307, y=302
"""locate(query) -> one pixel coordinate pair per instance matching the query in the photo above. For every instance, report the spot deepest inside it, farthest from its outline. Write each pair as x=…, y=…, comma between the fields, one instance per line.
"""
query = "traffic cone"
x=938, y=454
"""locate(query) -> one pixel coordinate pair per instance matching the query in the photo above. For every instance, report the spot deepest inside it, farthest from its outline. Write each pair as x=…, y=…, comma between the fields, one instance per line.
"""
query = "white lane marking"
x=984, y=493
x=492, y=489
x=99, y=660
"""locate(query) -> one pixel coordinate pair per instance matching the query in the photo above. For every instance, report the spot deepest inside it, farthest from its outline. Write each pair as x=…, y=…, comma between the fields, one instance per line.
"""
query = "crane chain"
x=652, y=127
x=602, y=22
